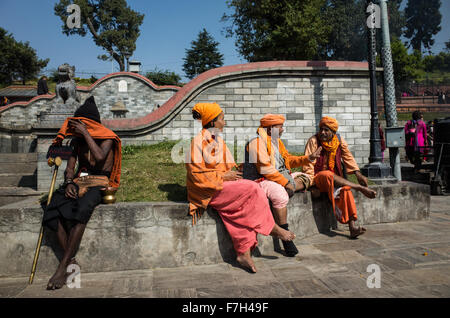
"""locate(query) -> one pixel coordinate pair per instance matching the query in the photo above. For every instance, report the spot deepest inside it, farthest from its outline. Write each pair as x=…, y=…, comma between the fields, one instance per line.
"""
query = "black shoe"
x=289, y=247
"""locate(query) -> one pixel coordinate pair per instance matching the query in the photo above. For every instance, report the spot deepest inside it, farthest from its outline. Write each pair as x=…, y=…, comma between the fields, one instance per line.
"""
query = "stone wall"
x=303, y=101
x=128, y=236
x=139, y=95
x=303, y=91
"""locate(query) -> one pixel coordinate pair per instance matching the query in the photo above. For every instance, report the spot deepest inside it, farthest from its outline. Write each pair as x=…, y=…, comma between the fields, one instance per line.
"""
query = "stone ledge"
x=130, y=236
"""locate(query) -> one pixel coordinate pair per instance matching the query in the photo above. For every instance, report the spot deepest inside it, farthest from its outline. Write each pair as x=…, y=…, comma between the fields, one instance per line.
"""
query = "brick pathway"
x=414, y=259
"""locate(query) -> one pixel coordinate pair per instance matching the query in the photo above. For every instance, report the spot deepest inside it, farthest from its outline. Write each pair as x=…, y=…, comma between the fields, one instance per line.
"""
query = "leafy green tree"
x=114, y=26
x=407, y=67
x=202, y=56
x=423, y=21
x=18, y=60
x=437, y=63
x=397, y=18
x=278, y=29
x=163, y=77
x=347, y=39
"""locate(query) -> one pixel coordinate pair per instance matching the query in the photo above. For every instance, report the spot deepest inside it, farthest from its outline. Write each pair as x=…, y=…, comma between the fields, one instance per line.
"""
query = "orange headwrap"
x=330, y=123
x=208, y=111
x=271, y=119
x=97, y=131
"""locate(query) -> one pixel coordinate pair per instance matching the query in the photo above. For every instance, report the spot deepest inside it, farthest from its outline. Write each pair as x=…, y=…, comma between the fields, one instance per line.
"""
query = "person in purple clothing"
x=415, y=137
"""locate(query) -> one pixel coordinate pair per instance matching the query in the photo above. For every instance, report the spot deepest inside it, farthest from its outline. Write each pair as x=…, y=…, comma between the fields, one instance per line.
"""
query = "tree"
x=202, y=56
x=166, y=77
x=397, y=18
x=278, y=29
x=113, y=25
x=347, y=39
x=18, y=60
x=406, y=66
x=447, y=46
x=423, y=21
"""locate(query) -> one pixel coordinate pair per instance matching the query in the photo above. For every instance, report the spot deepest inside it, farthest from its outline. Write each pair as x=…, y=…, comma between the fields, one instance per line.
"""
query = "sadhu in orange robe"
x=321, y=173
x=242, y=205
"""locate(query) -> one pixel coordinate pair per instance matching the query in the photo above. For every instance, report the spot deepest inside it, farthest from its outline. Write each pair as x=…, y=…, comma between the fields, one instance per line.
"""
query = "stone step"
x=12, y=195
x=18, y=157
x=18, y=163
x=18, y=180
x=20, y=168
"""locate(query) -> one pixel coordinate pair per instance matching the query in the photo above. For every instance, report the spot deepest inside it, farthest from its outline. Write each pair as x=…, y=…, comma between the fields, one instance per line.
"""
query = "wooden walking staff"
x=51, y=162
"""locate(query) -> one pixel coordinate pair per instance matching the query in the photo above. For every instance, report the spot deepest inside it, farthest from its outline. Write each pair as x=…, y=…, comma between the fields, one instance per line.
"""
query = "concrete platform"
x=414, y=261
x=140, y=236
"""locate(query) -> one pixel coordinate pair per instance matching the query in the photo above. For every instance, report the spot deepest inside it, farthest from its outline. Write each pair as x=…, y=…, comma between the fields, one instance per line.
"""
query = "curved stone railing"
x=161, y=116
x=87, y=89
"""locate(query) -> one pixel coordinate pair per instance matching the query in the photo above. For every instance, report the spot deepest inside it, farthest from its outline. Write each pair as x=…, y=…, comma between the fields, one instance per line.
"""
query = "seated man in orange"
x=241, y=204
x=268, y=162
x=327, y=173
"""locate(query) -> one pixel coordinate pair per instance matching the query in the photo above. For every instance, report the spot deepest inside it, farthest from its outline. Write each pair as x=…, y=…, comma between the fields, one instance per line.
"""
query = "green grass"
x=149, y=174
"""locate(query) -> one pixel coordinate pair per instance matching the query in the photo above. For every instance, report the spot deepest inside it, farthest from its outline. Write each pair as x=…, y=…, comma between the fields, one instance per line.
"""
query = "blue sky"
x=168, y=29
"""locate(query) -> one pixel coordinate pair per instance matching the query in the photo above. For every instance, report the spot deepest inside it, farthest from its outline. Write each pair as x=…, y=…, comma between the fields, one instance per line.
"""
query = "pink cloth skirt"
x=276, y=192
x=245, y=211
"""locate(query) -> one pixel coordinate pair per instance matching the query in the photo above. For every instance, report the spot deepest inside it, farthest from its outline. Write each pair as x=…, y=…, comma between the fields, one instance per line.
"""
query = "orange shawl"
x=331, y=147
x=281, y=148
x=206, y=164
x=97, y=131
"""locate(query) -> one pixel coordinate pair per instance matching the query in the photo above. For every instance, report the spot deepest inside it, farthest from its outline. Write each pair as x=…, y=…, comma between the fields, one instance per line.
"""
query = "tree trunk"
x=119, y=60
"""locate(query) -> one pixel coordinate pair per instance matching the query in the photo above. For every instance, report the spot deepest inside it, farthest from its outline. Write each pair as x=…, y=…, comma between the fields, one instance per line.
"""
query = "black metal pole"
x=376, y=170
x=375, y=141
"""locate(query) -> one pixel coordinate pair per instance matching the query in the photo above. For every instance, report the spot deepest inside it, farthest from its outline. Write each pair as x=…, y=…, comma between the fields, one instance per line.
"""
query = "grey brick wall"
x=303, y=101
x=140, y=100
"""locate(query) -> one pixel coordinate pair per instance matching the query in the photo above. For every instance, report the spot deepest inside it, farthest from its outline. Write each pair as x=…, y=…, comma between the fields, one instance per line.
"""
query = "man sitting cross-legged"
x=98, y=152
x=269, y=163
x=328, y=174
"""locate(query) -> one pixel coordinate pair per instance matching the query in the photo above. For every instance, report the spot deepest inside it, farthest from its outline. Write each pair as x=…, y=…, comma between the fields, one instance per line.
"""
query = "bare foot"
x=357, y=231
x=246, y=261
x=368, y=192
x=58, y=279
x=282, y=233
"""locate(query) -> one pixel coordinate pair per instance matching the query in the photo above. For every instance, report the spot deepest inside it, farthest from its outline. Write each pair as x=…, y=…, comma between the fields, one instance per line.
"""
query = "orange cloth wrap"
x=97, y=131
x=208, y=111
x=324, y=181
x=330, y=123
x=331, y=147
x=271, y=119
x=262, y=153
x=205, y=169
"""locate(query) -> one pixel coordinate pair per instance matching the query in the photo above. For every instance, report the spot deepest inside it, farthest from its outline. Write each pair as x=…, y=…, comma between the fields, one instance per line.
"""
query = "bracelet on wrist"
x=68, y=181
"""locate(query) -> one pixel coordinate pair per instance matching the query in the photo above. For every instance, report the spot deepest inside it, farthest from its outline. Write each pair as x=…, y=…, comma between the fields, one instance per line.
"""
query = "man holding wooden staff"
x=98, y=152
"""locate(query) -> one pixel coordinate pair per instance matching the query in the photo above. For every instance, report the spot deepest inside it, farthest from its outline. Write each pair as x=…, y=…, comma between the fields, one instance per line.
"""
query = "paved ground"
x=413, y=257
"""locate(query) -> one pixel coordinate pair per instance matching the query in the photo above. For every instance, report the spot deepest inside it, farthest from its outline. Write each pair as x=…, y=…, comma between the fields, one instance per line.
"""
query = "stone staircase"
x=17, y=177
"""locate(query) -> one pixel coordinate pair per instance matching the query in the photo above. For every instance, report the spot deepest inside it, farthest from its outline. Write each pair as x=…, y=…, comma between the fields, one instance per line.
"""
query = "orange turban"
x=330, y=123
x=208, y=111
x=271, y=119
